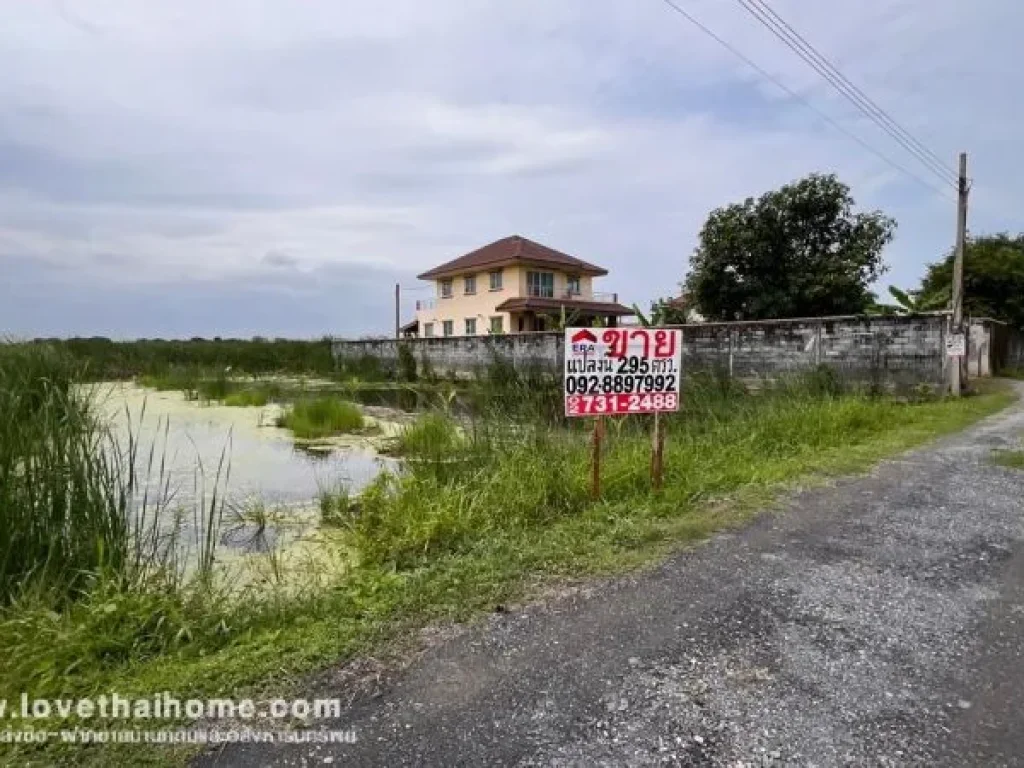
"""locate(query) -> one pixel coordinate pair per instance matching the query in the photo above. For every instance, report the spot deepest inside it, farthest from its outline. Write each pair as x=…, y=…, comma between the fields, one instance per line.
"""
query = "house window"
x=471, y=326
x=428, y=329
x=446, y=288
x=572, y=285
x=470, y=284
x=496, y=277
x=496, y=324
x=540, y=284
x=448, y=327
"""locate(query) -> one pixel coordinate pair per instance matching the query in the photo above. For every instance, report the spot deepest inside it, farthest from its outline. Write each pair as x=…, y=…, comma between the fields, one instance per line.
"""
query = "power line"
x=862, y=100
x=793, y=94
x=799, y=45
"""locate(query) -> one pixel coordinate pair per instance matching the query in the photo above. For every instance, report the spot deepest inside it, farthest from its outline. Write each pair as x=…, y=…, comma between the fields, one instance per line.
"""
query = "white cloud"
x=179, y=144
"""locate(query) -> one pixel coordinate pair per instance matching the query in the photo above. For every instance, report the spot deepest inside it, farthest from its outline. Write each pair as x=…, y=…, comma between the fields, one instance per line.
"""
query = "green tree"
x=993, y=278
x=797, y=251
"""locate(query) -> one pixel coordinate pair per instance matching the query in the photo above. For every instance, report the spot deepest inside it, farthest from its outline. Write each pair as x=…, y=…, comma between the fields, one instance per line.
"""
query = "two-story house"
x=513, y=285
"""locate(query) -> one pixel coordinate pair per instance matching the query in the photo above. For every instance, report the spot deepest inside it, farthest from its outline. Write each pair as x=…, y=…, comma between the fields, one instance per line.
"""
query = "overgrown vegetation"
x=321, y=417
x=496, y=496
x=91, y=572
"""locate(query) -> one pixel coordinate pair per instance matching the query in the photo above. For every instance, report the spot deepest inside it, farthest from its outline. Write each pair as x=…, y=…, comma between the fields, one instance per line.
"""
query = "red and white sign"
x=622, y=370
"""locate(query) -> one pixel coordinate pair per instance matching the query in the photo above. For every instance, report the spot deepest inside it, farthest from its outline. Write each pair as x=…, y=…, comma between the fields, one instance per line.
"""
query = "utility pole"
x=957, y=372
x=398, y=310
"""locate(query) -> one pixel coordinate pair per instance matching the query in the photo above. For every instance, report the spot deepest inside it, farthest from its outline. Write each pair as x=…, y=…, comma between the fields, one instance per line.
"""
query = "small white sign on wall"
x=956, y=344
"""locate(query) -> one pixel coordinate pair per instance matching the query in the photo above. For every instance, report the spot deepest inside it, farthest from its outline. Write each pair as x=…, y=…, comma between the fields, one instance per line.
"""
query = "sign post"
x=595, y=465
x=619, y=371
x=657, y=453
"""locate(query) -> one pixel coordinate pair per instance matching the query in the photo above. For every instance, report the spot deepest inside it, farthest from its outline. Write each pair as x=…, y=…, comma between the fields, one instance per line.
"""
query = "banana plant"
x=911, y=302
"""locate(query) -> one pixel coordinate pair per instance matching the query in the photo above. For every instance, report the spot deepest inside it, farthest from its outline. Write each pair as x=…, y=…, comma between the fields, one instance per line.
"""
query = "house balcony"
x=595, y=297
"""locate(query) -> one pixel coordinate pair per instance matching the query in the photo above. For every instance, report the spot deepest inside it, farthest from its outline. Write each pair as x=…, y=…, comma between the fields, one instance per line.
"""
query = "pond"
x=267, y=485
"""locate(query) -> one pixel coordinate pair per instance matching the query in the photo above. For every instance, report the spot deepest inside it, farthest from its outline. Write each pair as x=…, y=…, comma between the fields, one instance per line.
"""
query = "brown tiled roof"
x=510, y=250
x=537, y=304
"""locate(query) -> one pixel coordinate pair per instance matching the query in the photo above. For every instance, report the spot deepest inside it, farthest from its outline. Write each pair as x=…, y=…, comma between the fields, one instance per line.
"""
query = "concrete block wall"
x=891, y=352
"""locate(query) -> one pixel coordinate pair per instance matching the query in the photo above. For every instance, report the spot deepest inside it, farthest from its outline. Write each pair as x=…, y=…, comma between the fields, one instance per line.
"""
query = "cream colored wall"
x=481, y=305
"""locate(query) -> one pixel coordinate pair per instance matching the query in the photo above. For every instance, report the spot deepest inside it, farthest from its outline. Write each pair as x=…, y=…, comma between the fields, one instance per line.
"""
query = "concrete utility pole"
x=398, y=310
x=957, y=372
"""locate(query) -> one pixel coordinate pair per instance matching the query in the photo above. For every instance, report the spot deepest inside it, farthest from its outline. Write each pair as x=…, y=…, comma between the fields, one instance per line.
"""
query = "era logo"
x=583, y=342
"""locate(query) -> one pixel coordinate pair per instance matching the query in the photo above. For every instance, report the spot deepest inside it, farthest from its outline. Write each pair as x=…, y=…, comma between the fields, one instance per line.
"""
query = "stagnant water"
x=261, y=460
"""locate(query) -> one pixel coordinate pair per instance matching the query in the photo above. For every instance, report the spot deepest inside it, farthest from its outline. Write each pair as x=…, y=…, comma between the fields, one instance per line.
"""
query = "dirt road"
x=876, y=621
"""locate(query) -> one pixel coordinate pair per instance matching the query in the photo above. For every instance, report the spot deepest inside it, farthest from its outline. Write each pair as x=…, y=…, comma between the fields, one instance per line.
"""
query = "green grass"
x=434, y=434
x=247, y=398
x=1011, y=459
x=321, y=417
x=446, y=540
x=257, y=394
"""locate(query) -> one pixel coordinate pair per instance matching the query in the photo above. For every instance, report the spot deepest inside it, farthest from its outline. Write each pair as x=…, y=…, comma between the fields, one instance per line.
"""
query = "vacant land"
x=493, y=498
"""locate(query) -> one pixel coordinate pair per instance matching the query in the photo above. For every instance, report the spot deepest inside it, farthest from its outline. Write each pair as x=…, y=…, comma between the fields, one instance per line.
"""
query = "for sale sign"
x=622, y=370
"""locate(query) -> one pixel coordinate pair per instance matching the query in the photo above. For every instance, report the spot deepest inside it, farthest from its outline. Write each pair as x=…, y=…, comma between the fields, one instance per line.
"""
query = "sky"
x=274, y=167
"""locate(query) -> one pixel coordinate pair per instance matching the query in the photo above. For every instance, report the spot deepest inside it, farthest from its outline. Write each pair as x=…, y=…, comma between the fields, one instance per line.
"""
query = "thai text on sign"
x=622, y=370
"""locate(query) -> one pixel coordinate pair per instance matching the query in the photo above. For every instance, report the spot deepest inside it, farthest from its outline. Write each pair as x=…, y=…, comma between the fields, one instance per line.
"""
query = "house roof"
x=537, y=304
x=512, y=250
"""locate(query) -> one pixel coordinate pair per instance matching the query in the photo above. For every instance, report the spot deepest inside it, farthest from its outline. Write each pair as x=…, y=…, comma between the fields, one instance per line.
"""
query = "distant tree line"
x=104, y=358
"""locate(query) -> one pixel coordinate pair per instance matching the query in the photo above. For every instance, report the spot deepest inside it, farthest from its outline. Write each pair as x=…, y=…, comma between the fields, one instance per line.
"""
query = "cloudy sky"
x=273, y=167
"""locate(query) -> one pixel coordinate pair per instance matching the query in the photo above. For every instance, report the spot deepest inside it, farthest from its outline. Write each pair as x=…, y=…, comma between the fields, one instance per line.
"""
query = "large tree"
x=798, y=251
x=993, y=278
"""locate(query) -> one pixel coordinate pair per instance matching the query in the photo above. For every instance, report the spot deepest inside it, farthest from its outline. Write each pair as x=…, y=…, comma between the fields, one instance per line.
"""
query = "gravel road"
x=877, y=621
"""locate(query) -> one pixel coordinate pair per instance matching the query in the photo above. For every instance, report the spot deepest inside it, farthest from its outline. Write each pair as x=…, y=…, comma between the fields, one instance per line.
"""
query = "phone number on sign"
x=577, y=405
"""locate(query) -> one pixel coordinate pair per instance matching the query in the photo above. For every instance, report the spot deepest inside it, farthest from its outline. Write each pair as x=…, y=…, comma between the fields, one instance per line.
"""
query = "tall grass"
x=322, y=416
x=525, y=475
x=63, y=502
x=77, y=506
